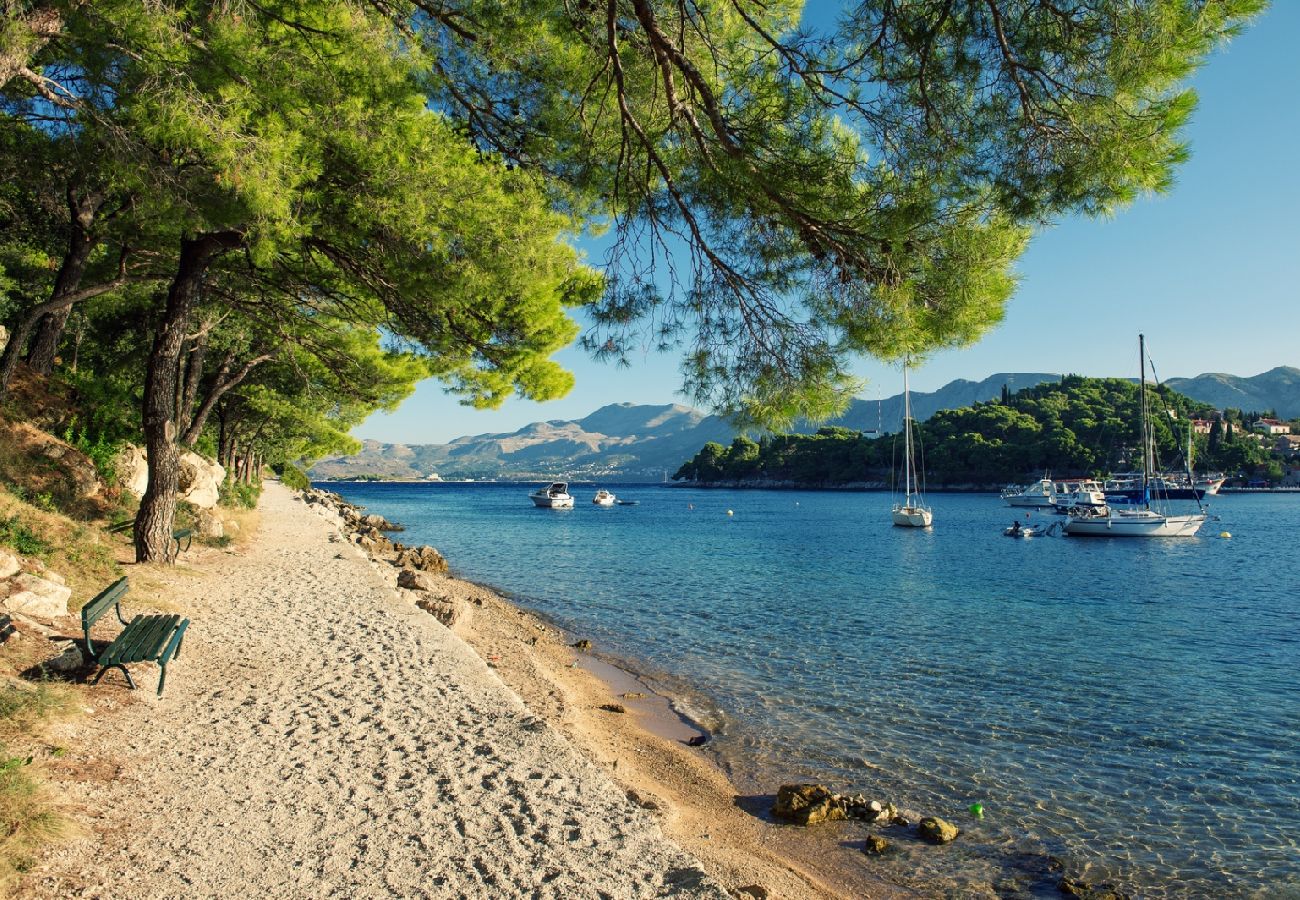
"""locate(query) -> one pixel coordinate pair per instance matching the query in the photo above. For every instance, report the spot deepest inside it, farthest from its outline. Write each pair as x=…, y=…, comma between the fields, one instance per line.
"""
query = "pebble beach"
x=324, y=736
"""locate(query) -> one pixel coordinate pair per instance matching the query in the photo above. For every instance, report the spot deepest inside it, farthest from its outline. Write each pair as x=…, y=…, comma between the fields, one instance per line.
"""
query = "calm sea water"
x=1130, y=707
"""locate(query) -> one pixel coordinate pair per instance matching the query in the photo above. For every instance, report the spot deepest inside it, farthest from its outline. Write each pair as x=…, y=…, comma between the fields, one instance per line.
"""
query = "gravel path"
x=322, y=737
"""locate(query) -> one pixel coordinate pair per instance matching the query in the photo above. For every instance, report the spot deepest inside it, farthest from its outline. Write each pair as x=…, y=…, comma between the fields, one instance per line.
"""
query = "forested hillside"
x=1080, y=426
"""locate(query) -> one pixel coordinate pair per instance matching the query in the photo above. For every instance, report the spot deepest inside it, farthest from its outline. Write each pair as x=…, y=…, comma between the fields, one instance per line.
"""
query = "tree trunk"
x=153, y=524
x=81, y=244
x=223, y=382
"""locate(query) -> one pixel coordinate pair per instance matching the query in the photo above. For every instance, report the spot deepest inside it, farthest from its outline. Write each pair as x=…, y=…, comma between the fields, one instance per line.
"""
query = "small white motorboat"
x=604, y=498
x=554, y=496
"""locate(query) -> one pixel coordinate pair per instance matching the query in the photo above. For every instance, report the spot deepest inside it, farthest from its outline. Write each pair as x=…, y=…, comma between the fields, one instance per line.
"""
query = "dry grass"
x=83, y=554
x=30, y=816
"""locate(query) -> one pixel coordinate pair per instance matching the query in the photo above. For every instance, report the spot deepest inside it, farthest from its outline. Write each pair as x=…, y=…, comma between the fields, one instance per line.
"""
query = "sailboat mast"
x=1146, y=438
x=907, y=438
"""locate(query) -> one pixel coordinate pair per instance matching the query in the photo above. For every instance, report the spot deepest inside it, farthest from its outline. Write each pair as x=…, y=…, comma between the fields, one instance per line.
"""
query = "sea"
x=1125, y=711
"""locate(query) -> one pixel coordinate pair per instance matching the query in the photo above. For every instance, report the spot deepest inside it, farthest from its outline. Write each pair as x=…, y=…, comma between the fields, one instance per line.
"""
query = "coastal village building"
x=1202, y=426
x=1271, y=426
x=1288, y=445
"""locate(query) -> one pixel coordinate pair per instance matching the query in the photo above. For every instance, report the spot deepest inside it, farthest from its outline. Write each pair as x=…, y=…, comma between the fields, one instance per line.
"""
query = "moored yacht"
x=554, y=496
x=1142, y=521
x=1039, y=494
x=604, y=498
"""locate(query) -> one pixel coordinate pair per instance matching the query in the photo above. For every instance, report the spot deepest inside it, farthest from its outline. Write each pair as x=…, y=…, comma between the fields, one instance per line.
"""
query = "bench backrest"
x=101, y=603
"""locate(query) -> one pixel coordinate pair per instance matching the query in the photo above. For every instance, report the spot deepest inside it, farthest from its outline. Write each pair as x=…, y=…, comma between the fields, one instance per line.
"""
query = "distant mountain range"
x=628, y=442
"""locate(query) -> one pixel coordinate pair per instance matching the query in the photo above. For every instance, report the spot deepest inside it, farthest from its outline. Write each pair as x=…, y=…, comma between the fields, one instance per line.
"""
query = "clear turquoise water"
x=1128, y=706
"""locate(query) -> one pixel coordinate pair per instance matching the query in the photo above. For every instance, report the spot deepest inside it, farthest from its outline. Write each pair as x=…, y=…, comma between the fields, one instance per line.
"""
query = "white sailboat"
x=911, y=513
x=1139, y=520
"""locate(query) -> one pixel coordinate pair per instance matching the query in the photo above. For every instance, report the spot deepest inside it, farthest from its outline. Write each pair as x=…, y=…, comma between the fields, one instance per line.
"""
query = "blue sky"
x=1210, y=271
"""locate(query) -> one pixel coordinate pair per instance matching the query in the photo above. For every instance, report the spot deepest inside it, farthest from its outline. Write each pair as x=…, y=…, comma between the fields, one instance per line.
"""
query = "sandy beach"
x=321, y=736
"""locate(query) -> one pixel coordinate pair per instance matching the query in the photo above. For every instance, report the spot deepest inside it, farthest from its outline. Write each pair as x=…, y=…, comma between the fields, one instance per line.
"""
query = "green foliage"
x=101, y=451
x=20, y=536
x=237, y=495
x=1081, y=426
x=294, y=477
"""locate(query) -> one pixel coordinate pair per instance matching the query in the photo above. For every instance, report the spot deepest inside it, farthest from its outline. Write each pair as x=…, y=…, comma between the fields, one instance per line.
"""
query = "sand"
x=322, y=737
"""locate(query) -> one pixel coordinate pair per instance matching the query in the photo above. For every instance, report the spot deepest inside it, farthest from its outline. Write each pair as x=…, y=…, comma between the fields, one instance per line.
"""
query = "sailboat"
x=911, y=513
x=1141, y=520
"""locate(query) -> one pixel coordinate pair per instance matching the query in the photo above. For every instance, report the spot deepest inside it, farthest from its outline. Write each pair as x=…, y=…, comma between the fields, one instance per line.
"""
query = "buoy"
x=690, y=506
x=977, y=810
x=1225, y=534
x=730, y=513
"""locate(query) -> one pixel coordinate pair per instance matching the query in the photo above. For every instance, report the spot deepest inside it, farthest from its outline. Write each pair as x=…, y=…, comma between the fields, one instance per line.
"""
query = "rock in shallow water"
x=876, y=845
x=806, y=804
x=936, y=830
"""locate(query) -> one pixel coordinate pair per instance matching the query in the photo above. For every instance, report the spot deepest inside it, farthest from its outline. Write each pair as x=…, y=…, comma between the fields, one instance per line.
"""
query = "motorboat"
x=1079, y=494
x=1126, y=487
x=1143, y=521
x=1027, y=531
x=604, y=498
x=911, y=513
x=554, y=496
x=1040, y=494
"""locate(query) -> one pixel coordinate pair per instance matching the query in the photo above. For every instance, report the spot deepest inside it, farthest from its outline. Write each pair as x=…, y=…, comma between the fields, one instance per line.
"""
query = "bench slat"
x=100, y=603
x=174, y=645
x=141, y=640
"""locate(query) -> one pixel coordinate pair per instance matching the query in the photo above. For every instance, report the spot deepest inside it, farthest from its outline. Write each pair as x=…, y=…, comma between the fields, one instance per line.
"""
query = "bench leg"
x=129, y=681
x=162, y=678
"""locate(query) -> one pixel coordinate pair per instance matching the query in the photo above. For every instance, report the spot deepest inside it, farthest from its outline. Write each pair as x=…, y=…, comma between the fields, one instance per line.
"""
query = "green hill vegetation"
x=1079, y=426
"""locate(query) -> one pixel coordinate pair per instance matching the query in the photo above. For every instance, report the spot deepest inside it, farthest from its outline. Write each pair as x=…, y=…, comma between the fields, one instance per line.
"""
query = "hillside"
x=622, y=441
x=629, y=442
x=1277, y=389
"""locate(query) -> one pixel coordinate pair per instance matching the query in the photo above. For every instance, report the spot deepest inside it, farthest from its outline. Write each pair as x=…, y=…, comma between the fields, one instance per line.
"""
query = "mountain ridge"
x=639, y=442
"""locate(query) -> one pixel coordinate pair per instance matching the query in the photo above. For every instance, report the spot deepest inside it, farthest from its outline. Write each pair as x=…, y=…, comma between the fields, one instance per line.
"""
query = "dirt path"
x=321, y=737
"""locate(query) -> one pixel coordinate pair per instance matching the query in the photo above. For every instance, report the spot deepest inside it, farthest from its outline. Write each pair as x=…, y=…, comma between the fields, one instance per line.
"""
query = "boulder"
x=415, y=580
x=452, y=613
x=209, y=524
x=876, y=845
x=132, y=469
x=69, y=472
x=9, y=565
x=4, y=337
x=69, y=658
x=200, y=480
x=38, y=597
x=936, y=830
x=806, y=804
x=426, y=559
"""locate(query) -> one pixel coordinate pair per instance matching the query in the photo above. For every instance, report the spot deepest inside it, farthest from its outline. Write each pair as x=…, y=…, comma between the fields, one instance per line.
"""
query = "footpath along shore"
x=323, y=736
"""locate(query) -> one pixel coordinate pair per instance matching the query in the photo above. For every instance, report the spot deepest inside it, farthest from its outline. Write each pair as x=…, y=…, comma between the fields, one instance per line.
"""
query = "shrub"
x=294, y=477
x=19, y=535
x=238, y=495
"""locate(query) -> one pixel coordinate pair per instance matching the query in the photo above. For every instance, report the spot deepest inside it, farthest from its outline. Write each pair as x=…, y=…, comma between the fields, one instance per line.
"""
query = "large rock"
x=415, y=580
x=200, y=480
x=426, y=559
x=69, y=658
x=66, y=472
x=38, y=597
x=806, y=804
x=455, y=614
x=209, y=524
x=4, y=337
x=936, y=830
x=9, y=565
x=132, y=469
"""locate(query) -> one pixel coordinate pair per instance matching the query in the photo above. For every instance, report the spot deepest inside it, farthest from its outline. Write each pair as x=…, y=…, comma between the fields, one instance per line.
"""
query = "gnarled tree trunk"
x=153, y=524
x=81, y=244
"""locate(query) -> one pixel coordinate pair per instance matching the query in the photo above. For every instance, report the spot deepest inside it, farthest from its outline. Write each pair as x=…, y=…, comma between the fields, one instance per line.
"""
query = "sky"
x=1210, y=271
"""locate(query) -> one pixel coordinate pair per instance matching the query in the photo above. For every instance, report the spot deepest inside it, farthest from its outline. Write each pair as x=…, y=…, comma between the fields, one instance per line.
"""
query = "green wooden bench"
x=180, y=534
x=183, y=534
x=154, y=639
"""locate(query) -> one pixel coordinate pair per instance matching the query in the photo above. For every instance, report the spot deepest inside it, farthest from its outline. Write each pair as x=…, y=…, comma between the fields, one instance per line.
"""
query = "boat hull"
x=1134, y=525
x=912, y=516
x=551, y=502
